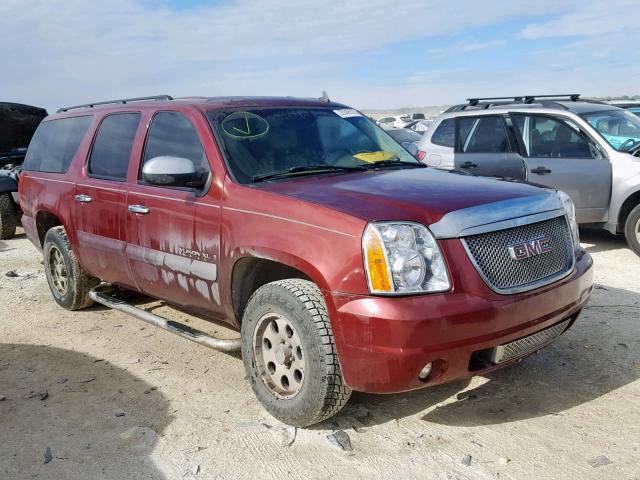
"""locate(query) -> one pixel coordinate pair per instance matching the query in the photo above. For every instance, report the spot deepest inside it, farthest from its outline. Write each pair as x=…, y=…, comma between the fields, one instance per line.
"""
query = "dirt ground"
x=104, y=396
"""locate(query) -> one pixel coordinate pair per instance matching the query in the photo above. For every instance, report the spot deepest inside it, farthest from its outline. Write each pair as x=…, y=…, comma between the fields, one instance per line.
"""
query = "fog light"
x=424, y=373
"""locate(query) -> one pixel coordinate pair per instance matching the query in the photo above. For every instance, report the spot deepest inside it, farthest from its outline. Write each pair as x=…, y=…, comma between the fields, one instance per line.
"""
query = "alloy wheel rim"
x=58, y=271
x=279, y=356
x=638, y=230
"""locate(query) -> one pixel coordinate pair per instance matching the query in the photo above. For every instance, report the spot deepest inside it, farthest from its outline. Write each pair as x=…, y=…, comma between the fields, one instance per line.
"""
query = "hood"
x=422, y=195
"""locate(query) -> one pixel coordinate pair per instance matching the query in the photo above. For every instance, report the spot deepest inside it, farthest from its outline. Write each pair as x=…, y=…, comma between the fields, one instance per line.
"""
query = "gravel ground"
x=99, y=395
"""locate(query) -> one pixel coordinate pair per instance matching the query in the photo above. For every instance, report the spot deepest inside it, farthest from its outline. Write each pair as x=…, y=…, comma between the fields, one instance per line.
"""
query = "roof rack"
x=574, y=97
x=122, y=100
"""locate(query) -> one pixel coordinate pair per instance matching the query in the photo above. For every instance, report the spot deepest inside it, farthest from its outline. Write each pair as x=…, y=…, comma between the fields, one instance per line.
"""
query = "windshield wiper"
x=305, y=170
x=393, y=162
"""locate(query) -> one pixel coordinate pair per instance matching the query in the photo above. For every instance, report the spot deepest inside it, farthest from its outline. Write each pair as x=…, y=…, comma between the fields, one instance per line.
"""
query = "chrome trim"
x=499, y=215
x=529, y=344
x=83, y=198
x=528, y=286
x=139, y=209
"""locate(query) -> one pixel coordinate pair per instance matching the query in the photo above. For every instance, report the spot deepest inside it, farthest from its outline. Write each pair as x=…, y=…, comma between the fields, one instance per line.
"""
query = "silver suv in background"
x=588, y=149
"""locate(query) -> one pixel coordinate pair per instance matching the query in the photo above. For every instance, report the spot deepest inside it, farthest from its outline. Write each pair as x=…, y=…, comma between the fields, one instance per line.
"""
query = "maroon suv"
x=344, y=262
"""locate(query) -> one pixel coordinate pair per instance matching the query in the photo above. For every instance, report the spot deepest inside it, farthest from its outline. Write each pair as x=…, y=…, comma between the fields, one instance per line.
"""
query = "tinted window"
x=549, y=137
x=55, y=143
x=444, y=134
x=172, y=134
x=482, y=135
x=112, y=147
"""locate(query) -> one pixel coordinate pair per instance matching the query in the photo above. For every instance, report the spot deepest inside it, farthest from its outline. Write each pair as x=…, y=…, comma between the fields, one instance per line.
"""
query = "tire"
x=60, y=262
x=313, y=372
x=8, y=216
x=632, y=229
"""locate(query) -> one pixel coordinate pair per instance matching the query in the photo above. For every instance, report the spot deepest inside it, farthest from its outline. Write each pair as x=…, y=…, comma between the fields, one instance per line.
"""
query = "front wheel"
x=632, y=230
x=289, y=353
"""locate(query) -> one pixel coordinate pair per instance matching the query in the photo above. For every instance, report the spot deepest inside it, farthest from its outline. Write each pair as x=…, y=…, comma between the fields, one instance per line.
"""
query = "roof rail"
x=122, y=100
x=574, y=97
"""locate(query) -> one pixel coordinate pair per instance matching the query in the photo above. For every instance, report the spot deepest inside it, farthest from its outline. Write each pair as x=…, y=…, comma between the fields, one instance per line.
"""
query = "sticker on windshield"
x=347, y=113
x=243, y=125
x=371, y=157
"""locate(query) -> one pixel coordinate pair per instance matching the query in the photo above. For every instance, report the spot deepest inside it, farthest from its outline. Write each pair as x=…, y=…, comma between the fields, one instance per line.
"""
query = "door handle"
x=140, y=209
x=469, y=165
x=83, y=198
x=540, y=170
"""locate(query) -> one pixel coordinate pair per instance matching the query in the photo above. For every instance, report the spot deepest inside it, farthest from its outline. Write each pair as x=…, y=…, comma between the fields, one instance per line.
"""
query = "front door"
x=100, y=201
x=558, y=154
x=175, y=232
x=485, y=147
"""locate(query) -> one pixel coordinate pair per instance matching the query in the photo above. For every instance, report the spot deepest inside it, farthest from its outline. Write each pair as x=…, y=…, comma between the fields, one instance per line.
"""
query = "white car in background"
x=395, y=121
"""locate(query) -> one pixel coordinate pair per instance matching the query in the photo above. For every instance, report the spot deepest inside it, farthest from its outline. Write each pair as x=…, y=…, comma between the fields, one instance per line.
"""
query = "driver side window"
x=171, y=134
x=544, y=136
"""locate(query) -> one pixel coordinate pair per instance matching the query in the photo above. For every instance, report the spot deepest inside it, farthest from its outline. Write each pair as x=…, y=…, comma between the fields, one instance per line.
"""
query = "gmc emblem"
x=534, y=247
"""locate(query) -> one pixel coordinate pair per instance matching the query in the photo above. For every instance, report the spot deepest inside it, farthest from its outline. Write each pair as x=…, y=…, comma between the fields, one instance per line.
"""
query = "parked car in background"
x=407, y=138
x=417, y=116
x=632, y=105
x=345, y=263
x=420, y=126
x=17, y=124
x=396, y=121
x=587, y=149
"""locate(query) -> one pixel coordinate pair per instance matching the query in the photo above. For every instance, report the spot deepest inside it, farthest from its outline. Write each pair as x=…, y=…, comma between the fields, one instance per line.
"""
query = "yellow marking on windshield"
x=371, y=157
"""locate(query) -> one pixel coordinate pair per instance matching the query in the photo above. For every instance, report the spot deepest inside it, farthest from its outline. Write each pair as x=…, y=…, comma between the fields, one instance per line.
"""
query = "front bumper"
x=384, y=342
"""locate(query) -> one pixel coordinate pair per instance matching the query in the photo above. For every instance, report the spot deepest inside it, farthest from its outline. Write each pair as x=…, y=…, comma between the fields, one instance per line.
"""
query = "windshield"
x=262, y=142
x=403, y=135
x=620, y=128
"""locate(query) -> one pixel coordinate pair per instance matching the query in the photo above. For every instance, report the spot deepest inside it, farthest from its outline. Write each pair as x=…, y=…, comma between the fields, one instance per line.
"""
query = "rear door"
x=174, y=233
x=559, y=154
x=484, y=146
x=100, y=201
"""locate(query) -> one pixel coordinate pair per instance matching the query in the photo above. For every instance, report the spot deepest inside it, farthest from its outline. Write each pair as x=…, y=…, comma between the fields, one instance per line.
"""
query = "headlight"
x=570, y=210
x=403, y=257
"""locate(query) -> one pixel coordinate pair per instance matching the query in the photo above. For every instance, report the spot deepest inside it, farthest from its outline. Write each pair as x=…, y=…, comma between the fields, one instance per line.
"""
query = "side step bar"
x=99, y=295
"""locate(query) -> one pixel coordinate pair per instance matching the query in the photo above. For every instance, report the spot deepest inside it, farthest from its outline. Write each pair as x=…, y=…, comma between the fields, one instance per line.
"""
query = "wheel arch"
x=629, y=204
x=250, y=272
x=45, y=220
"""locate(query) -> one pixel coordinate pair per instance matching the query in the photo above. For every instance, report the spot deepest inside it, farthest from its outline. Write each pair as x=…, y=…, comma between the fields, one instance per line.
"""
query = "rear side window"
x=55, y=144
x=112, y=147
x=172, y=134
x=482, y=135
x=445, y=133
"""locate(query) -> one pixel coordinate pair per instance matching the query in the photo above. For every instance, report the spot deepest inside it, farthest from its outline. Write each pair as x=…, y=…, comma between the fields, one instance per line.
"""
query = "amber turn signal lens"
x=379, y=278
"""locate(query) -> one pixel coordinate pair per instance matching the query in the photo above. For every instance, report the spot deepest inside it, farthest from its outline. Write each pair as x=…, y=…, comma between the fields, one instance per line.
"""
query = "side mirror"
x=168, y=171
x=410, y=147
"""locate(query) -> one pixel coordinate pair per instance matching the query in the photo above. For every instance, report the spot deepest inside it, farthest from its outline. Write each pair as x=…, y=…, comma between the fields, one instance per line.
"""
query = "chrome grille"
x=490, y=255
x=529, y=344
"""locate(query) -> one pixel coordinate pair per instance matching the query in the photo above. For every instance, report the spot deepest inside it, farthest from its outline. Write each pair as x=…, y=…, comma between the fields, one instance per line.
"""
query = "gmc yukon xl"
x=344, y=263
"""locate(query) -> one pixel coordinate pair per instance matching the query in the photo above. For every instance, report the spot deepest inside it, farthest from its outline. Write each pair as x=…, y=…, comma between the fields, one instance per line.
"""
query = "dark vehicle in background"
x=18, y=122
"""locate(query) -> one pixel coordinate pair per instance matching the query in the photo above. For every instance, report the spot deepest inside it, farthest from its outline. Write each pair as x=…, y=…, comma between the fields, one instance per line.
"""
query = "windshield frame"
x=218, y=135
x=585, y=117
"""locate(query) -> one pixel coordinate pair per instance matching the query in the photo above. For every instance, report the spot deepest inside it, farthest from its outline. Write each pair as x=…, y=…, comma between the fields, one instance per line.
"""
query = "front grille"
x=529, y=344
x=490, y=255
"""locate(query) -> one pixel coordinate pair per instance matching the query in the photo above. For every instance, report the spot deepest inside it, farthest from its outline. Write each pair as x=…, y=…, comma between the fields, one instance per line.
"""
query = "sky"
x=365, y=53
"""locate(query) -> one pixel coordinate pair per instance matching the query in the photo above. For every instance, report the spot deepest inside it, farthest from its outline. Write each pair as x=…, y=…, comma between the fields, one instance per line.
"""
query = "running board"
x=98, y=295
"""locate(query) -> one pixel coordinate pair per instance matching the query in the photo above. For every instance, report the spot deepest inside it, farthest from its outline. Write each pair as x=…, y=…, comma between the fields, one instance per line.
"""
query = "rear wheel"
x=8, y=216
x=289, y=353
x=632, y=229
x=68, y=282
